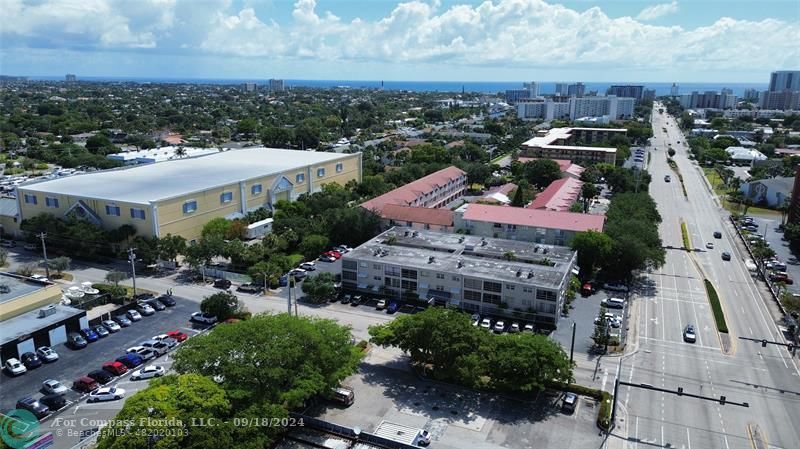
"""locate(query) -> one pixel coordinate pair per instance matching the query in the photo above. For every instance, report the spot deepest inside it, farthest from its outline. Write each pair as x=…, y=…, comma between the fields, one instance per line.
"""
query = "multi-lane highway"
x=668, y=299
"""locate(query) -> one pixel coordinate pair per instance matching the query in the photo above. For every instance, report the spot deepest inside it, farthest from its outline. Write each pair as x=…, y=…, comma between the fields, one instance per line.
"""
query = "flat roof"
x=163, y=180
x=566, y=133
x=568, y=221
x=17, y=287
x=29, y=322
x=474, y=256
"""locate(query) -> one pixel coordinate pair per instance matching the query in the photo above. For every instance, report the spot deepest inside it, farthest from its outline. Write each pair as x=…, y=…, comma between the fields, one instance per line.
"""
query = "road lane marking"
x=688, y=438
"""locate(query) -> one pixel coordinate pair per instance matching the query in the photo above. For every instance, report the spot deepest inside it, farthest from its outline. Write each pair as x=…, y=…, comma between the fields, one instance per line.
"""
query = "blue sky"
x=426, y=40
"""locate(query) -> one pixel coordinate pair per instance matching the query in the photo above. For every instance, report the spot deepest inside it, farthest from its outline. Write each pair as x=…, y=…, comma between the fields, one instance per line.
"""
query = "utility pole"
x=132, y=259
x=572, y=346
x=289, y=299
x=42, y=235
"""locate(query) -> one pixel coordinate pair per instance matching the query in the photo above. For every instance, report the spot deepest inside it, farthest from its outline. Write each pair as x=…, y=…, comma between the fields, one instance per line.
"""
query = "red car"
x=334, y=254
x=177, y=335
x=782, y=278
x=115, y=368
x=85, y=384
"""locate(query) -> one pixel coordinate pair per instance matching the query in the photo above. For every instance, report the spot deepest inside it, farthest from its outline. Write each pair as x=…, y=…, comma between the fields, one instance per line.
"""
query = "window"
x=545, y=295
x=30, y=199
x=440, y=288
x=456, y=278
x=470, y=295
x=509, y=287
x=409, y=274
x=472, y=283
x=300, y=178
x=320, y=172
x=189, y=207
x=51, y=202
x=439, y=275
x=377, y=266
x=498, y=225
x=349, y=275
x=376, y=278
x=391, y=271
x=350, y=265
x=495, y=287
x=491, y=298
x=112, y=210
x=339, y=167
x=363, y=264
x=226, y=197
x=256, y=189
x=137, y=213
x=527, y=289
x=408, y=285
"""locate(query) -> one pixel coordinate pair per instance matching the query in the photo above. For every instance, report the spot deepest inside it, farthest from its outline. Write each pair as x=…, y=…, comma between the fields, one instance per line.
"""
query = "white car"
x=148, y=372
x=486, y=323
x=514, y=328
x=39, y=277
x=424, y=438
x=528, y=328
x=381, y=304
x=15, y=367
x=203, y=318
x=145, y=308
x=164, y=338
x=145, y=353
x=134, y=315
x=308, y=266
x=106, y=394
x=158, y=347
x=47, y=354
x=476, y=320
x=499, y=327
x=343, y=249
x=710, y=245
x=51, y=386
x=111, y=325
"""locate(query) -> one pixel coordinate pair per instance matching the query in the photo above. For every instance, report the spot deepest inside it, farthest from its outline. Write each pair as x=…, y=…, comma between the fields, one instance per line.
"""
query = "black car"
x=167, y=300
x=156, y=304
x=32, y=405
x=101, y=376
x=101, y=331
x=143, y=297
x=76, y=341
x=222, y=283
x=726, y=256
x=30, y=360
x=54, y=401
x=717, y=235
x=345, y=299
x=122, y=320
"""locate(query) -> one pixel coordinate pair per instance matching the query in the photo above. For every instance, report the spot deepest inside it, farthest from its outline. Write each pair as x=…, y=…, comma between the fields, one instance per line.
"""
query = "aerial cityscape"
x=455, y=224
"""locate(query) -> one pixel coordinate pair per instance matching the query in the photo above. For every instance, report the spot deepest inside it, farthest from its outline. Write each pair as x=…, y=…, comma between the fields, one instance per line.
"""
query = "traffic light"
x=722, y=400
x=763, y=343
x=790, y=347
x=680, y=391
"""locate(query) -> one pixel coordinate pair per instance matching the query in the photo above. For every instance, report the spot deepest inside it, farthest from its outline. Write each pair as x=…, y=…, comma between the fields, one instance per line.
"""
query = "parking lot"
x=460, y=418
x=75, y=363
x=583, y=313
x=768, y=227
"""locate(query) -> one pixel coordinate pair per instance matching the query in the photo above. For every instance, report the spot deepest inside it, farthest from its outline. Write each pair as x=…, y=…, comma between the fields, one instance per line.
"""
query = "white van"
x=614, y=303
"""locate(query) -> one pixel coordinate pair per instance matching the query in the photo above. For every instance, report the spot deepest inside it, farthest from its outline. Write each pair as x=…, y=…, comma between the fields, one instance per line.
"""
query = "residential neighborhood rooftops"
x=519, y=216
x=558, y=196
x=152, y=182
x=439, y=217
x=742, y=153
x=406, y=194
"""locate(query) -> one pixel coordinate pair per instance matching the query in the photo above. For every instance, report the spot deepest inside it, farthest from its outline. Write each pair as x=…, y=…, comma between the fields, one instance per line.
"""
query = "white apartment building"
x=615, y=108
x=469, y=272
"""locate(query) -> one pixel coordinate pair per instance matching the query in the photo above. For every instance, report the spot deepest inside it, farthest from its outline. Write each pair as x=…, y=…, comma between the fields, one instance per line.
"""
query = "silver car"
x=47, y=354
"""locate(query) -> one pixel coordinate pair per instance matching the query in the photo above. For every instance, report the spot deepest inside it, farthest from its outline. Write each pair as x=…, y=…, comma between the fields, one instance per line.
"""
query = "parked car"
x=616, y=287
x=89, y=335
x=342, y=249
x=85, y=384
x=308, y=266
x=178, y=336
x=667, y=178
x=156, y=304
x=34, y=406
x=781, y=277
x=334, y=254
x=76, y=341
x=528, y=328
x=486, y=323
x=345, y=299
x=106, y=394
x=145, y=308
x=134, y=315
x=689, y=334
x=499, y=327
x=326, y=258
x=101, y=331
x=148, y=372
x=613, y=303
x=115, y=368
x=54, y=402
x=111, y=326
x=145, y=353
x=392, y=307
x=726, y=256
x=570, y=403
x=342, y=395
x=30, y=247
x=793, y=261
x=122, y=320
x=101, y=376
x=47, y=354
x=514, y=328
x=203, y=318
x=14, y=367
x=8, y=243
x=167, y=300
x=298, y=273
x=717, y=235
x=381, y=304
x=30, y=360
x=52, y=386
x=476, y=319
x=131, y=360
x=249, y=288
x=222, y=283
x=157, y=346
x=356, y=300
x=164, y=338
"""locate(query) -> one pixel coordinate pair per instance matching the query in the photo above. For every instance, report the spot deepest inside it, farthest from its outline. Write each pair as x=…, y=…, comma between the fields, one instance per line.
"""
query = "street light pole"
x=42, y=235
x=132, y=259
x=572, y=346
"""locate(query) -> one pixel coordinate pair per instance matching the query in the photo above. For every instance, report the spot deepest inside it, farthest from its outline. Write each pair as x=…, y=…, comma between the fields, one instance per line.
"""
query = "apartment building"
x=628, y=90
x=477, y=274
x=558, y=143
x=432, y=191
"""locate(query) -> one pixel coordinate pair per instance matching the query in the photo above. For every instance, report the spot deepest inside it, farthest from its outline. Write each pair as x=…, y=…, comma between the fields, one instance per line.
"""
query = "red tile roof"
x=424, y=215
x=568, y=221
x=406, y=194
x=558, y=196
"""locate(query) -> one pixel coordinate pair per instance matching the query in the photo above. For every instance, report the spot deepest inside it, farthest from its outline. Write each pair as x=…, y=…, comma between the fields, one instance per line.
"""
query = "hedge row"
x=716, y=307
x=605, y=398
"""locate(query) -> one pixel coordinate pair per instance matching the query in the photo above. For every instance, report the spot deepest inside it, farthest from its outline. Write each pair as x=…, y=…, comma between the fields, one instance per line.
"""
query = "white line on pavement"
x=688, y=438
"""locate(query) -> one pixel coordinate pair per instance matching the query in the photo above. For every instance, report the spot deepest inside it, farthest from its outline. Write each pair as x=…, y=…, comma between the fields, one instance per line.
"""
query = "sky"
x=412, y=40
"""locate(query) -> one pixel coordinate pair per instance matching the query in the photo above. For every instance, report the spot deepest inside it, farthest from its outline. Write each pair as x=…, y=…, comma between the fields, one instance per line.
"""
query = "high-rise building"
x=674, y=91
x=532, y=88
x=514, y=96
x=629, y=90
x=708, y=99
x=649, y=94
x=562, y=89
x=784, y=80
x=784, y=100
x=576, y=90
x=751, y=94
x=249, y=87
x=71, y=78
x=276, y=85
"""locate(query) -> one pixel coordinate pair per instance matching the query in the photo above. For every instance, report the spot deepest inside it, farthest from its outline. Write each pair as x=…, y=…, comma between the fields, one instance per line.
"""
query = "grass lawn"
x=719, y=190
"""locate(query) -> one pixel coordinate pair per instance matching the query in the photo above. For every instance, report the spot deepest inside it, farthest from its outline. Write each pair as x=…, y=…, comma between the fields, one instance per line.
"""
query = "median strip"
x=687, y=242
x=716, y=307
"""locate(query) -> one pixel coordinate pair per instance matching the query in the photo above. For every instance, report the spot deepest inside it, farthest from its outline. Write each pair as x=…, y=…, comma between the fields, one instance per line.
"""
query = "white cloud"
x=656, y=11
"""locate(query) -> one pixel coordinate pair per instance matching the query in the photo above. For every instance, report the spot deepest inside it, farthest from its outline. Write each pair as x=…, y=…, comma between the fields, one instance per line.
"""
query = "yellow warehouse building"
x=179, y=196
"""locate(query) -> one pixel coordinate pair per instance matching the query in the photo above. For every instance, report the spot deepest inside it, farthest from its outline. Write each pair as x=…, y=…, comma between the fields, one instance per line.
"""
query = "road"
x=668, y=299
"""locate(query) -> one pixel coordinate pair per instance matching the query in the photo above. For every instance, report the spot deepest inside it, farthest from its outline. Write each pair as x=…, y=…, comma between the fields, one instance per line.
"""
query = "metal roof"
x=169, y=179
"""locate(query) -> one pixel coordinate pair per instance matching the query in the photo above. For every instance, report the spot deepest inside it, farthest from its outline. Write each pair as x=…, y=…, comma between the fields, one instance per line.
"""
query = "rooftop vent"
x=460, y=263
x=545, y=251
x=519, y=273
x=431, y=259
x=47, y=311
x=461, y=239
x=406, y=233
x=536, y=248
x=415, y=234
x=530, y=274
x=483, y=242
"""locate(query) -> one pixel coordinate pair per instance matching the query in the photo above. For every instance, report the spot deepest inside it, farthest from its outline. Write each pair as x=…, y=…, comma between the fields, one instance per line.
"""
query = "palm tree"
x=180, y=152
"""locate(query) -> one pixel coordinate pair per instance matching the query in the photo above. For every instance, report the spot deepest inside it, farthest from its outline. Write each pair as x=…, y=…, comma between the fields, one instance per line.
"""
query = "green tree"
x=526, y=363
x=600, y=334
x=312, y=245
x=278, y=359
x=588, y=193
x=60, y=264
x=247, y=126
x=319, y=288
x=170, y=246
x=222, y=305
x=268, y=271
x=27, y=269
x=116, y=277
x=216, y=228
x=593, y=248
x=517, y=200
x=541, y=172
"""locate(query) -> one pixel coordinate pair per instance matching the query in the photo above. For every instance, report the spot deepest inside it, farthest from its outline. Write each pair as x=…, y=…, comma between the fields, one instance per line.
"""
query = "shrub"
x=716, y=307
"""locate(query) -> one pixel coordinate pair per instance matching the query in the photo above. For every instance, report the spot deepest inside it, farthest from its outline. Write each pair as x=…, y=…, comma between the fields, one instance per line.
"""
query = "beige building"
x=178, y=197
x=569, y=143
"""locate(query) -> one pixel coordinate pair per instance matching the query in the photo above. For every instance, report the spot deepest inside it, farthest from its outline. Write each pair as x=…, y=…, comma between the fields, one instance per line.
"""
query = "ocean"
x=547, y=87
